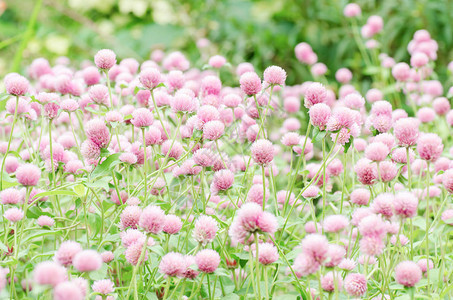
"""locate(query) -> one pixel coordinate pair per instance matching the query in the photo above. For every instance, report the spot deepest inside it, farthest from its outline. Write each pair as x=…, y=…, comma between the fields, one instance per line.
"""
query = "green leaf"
x=35, y=212
x=106, y=166
x=348, y=144
x=79, y=189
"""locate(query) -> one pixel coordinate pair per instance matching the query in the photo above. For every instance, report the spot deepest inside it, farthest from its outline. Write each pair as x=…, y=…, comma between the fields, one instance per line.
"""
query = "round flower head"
x=360, y=196
x=274, y=75
x=45, y=221
x=267, y=253
x=366, y=171
x=99, y=94
x=255, y=194
x=67, y=291
x=447, y=180
x=16, y=84
x=352, y=10
x=401, y=71
x=406, y=131
x=335, y=223
x=11, y=196
x=172, y=224
x=441, y=106
x=447, y=216
x=28, y=175
x=383, y=204
x=134, y=251
x=305, y=265
x=104, y=286
x=211, y=85
x=232, y=100
x=129, y=158
x=315, y=93
x=65, y=254
x=49, y=272
x=376, y=151
x=388, y=171
x=408, y=273
x=329, y=282
x=97, y=132
x=105, y=59
x=250, y=83
x=204, y=157
x=130, y=217
x=319, y=115
x=372, y=226
x=343, y=75
x=354, y=101
x=107, y=256
x=87, y=260
x=291, y=104
x=152, y=219
x=419, y=59
x=430, y=146
x=142, y=117
x=355, y=284
x=223, y=179
x=205, y=229
x=14, y=214
x=213, y=130
x=405, y=204
x=172, y=264
x=207, y=260
x=424, y=264
x=305, y=54
x=150, y=78
x=90, y=150
x=316, y=246
x=262, y=151
x=217, y=61
x=336, y=254
x=290, y=139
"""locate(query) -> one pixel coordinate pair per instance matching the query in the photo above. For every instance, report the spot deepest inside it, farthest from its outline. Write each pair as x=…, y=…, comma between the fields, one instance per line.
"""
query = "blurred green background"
x=263, y=32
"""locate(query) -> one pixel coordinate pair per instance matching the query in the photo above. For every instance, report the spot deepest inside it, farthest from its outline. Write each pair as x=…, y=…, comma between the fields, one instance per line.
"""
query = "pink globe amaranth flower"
x=143, y=96
x=67, y=251
x=14, y=214
x=104, y=286
x=355, y=284
x=176, y=151
x=39, y=67
x=262, y=151
x=405, y=205
x=114, y=116
x=371, y=245
x=274, y=75
x=441, y=106
x=107, y=256
x=408, y=273
x=51, y=110
x=352, y=10
x=213, y=130
x=11, y=164
x=305, y=54
x=419, y=59
x=134, y=251
x=305, y=265
x=406, y=131
x=183, y=103
x=69, y=105
x=424, y=264
x=335, y=167
x=267, y=253
x=250, y=83
x=374, y=95
x=430, y=146
x=347, y=264
x=336, y=254
x=204, y=157
x=318, y=69
x=388, y=171
x=99, y=94
x=366, y=171
x=383, y=204
x=172, y=224
x=205, y=229
x=343, y=75
x=232, y=100
x=376, y=151
x=90, y=150
x=316, y=246
x=91, y=75
x=319, y=115
x=311, y=192
x=129, y=158
x=426, y=114
x=45, y=221
x=211, y=85
x=142, y=117
x=205, y=114
x=290, y=139
x=291, y=104
x=130, y=217
x=87, y=260
x=97, y=132
x=49, y=273
x=150, y=78
x=354, y=101
x=172, y=264
x=217, y=61
x=16, y=84
x=152, y=219
x=335, y=223
x=447, y=216
x=67, y=291
x=314, y=94
x=105, y=59
x=372, y=226
x=223, y=179
x=331, y=281
x=207, y=260
x=401, y=71
x=11, y=196
x=131, y=236
x=255, y=194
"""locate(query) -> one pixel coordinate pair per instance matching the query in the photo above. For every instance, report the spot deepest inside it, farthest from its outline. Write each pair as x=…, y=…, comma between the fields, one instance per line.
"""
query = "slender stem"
x=257, y=265
x=9, y=142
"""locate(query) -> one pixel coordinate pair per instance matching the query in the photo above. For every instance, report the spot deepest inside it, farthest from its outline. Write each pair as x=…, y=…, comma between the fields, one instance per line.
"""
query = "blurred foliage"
x=263, y=32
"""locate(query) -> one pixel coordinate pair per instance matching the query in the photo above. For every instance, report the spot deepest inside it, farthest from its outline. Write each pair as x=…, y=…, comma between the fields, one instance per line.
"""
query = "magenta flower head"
x=205, y=229
x=172, y=224
x=142, y=117
x=401, y=71
x=330, y=282
x=316, y=246
x=16, y=84
x=217, y=61
x=49, y=272
x=405, y=204
x=262, y=151
x=355, y=284
x=406, y=131
x=304, y=53
x=376, y=151
x=105, y=59
x=207, y=260
x=14, y=214
x=352, y=10
x=274, y=75
x=172, y=264
x=315, y=93
x=97, y=132
x=250, y=83
x=223, y=179
x=447, y=180
x=28, y=175
x=45, y=221
x=65, y=254
x=430, y=146
x=150, y=78
x=87, y=260
x=366, y=171
x=213, y=130
x=99, y=94
x=408, y=273
x=267, y=253
x=67, y=291
x=343, y=75
x=152, y=219
x=335, y=223
x=104, y=286
x=319, y=115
